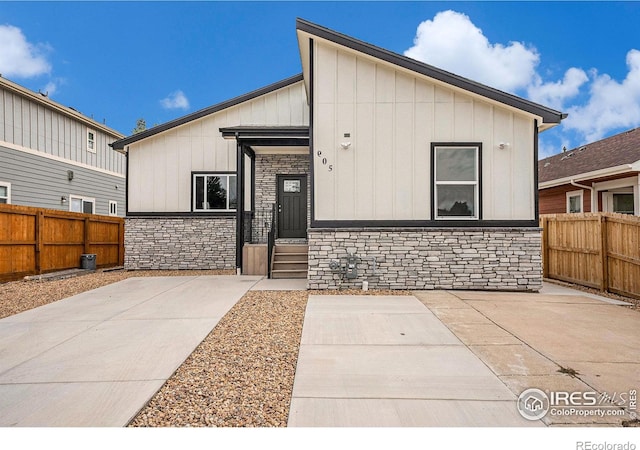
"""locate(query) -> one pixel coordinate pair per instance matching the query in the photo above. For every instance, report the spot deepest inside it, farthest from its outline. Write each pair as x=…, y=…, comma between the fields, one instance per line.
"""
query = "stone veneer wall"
x=176, y=243
x=267, y=167
x=430, y=258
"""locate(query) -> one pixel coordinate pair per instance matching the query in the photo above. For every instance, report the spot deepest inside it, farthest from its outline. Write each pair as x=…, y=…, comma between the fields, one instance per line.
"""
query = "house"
x=51, y=156
x=601, y=176
x=377, y=168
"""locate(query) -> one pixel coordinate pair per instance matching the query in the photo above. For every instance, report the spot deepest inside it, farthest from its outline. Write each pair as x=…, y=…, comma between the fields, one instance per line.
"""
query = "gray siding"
x=41, y=182
x=26, y=123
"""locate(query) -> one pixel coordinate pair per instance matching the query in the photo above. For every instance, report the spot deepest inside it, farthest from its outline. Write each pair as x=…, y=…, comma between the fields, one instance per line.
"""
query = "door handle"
x=279, y=208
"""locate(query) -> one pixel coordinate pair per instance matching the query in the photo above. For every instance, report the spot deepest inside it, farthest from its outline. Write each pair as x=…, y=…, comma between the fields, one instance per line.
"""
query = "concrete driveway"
x=96, y=358
x=462, y=359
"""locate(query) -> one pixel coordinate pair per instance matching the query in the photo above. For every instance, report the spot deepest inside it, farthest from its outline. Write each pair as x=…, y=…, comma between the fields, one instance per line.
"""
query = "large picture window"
x=214, y=192
x=456, y=181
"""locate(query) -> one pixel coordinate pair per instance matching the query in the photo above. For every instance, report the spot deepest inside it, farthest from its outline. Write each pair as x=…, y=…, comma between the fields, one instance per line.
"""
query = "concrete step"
x=290, y=265
x=302, y=257
x=289, y=273
x=290, y=261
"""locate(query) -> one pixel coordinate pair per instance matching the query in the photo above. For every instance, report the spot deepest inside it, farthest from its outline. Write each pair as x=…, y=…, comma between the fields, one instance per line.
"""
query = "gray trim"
x=549, y=115
x=252, y=132
x=424, y=224
x=119, y=145
x=155, y=215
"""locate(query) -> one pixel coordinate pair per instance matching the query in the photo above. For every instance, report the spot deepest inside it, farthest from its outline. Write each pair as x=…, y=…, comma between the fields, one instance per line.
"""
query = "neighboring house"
x=601, y=176
x=388, y=170
x=51, y=156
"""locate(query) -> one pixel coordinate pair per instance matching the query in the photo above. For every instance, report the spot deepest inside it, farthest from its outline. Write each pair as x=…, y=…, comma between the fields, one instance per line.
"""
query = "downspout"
x=593, y=200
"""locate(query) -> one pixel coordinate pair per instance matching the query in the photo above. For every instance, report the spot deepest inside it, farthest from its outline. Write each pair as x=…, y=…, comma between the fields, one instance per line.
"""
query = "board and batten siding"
x=392, y=116
x=160, y=166
x=41, y=182
x=32, y=125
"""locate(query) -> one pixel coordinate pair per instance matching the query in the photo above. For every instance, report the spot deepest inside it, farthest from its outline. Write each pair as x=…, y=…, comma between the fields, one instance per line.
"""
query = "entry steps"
x=290, y=261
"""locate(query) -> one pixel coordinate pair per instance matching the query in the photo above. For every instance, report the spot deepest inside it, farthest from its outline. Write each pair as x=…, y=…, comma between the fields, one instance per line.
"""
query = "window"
x=574, y=202
x=82, y=204
x=91, y=141
x=214, y=192
x=113, y=208
x=456, y=193
x=623, y=203
x=5, y=192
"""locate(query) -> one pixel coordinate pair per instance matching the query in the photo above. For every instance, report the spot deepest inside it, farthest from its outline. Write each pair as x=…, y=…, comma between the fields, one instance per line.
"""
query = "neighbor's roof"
x=613, y=152
x=549, y=116
x=43, y=99
x=119, y=145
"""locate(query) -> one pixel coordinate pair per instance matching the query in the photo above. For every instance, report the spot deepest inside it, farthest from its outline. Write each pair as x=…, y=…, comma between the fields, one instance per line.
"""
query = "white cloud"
x=611, y=105
x=18, y=57
x=555, y=94
x=175, y=100
x=452, y=42
x=597, y=104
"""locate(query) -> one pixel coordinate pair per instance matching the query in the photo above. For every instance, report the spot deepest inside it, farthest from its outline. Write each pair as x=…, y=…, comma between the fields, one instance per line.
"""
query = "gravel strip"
x=19, y=296
x=241, y=375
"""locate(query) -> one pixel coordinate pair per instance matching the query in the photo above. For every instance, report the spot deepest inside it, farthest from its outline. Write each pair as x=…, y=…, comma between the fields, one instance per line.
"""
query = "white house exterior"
x=392, y=171
x=52, y=156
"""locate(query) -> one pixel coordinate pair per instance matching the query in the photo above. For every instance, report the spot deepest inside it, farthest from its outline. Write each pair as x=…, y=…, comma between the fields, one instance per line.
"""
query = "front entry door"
x=292, y=206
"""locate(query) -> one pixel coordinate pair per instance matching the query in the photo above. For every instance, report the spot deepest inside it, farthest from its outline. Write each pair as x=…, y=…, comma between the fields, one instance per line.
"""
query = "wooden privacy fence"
x=599, y=250
x=36, y=240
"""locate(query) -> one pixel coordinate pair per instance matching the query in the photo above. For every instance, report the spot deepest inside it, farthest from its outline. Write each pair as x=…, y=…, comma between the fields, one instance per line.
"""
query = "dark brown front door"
x=292, y=206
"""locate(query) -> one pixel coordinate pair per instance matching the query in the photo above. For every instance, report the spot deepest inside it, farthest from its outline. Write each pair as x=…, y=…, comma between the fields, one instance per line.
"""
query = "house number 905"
x=325, y=161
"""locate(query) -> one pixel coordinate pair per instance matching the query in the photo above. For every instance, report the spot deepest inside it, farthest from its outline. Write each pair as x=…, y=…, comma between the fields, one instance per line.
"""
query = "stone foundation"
x=180, y=243
x=429, y=258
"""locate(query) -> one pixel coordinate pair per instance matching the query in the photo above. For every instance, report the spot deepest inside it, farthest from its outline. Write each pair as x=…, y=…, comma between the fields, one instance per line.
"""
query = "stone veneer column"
x=429, y=258
x=175, y=243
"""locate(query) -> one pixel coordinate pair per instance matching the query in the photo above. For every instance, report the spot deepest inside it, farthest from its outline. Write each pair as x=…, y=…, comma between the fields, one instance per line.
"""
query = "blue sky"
x=119, y=61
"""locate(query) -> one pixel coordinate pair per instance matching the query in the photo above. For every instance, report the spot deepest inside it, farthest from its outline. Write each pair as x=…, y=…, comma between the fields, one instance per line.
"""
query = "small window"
x=214, y=192
x=623, y=203
x=91, y=141
x=574, y=202
x=456, y=182
x=5, y=192
x=82, y=204
x=113, y=208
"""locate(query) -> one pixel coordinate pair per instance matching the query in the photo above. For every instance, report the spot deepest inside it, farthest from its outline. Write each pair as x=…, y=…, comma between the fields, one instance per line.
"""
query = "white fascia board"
x=609, y=171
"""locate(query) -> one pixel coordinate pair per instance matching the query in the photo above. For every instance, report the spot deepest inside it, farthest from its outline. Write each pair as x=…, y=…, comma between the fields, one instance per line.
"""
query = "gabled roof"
x=549, y=116
x=617, y=153
x=45, y=101
x=119, y=145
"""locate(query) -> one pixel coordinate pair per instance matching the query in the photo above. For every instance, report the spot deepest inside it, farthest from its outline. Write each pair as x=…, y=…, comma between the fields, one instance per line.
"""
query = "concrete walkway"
x=459, y=358
x=96, y=358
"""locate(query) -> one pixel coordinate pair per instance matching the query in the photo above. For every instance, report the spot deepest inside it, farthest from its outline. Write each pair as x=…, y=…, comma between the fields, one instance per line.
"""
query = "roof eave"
x=550, y=117
x=120, y=144
x=601, y=173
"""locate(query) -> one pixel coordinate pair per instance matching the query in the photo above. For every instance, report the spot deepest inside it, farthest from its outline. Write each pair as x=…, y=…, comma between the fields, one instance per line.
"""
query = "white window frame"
x=91, y=143
x=113, y=208
x=83, y=199
x=196, y=175
x=572, y=194
x=8, y=196
x=475, y=183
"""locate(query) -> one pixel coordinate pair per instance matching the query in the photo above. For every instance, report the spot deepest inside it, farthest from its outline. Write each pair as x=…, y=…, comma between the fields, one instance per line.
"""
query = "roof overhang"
x=547, y=117
x=269, y=136
x=122, y=143
x=594, y=175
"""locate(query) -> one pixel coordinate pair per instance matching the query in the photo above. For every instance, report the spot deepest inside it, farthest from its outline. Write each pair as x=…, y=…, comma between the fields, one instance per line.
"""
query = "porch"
x=273, y=186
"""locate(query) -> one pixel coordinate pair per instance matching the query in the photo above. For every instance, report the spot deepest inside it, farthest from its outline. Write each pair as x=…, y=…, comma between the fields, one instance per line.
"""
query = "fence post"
x=121, y=243
x=604, y=284
x=39, y=232
x=86, y=235
x=545, y=247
